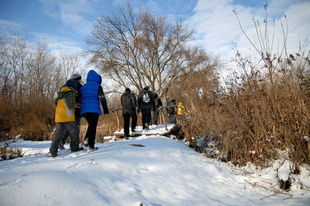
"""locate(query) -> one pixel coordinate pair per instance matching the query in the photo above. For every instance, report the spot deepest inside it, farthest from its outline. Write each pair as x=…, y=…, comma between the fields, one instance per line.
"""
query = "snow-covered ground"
x=145, y=170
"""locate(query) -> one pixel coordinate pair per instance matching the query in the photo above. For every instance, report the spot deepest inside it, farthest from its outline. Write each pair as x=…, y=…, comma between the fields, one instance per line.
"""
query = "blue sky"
x=66, y=23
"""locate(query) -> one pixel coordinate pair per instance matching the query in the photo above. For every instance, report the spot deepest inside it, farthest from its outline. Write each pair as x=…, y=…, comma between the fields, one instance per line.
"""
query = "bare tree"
x=40, y=68
x=15, y=53
x=139, y=49
x=69, y=63
x=5, y=72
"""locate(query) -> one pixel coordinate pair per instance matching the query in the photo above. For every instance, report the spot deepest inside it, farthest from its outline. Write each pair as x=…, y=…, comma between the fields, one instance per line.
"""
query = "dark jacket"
x=158, y=102
x=124, y=97
x=92, y=95
x=142, y=105
x=171, y=110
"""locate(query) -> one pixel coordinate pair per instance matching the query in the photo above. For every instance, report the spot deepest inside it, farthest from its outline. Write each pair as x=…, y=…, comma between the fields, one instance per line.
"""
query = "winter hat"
x=127, y=90
x=76, y=76
x=147, y=87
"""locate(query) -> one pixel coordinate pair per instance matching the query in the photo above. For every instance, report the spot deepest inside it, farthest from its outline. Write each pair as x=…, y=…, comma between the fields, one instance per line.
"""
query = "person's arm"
x=152, y=100
x=103, y=100
x=139, y=100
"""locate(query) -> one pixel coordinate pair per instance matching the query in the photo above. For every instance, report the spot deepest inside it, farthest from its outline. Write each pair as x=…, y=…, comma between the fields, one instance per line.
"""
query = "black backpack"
x=130, y=103
x=146, y=97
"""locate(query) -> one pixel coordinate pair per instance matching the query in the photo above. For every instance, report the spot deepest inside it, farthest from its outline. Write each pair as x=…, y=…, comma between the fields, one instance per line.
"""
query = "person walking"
x=171, y=115
x=92, y=95
x=181, y=111
x=158, y=103
x=146, y=105
x=129, y=104
x=76, y=78
x=65, y=118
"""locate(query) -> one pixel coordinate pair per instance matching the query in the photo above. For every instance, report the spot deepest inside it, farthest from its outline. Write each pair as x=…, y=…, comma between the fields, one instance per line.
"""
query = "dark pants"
x=146, y=117
x=92, y=120
x=156, y=113
x=66, y=133
x=58, y=134
x=172, y=118
x=127, y=116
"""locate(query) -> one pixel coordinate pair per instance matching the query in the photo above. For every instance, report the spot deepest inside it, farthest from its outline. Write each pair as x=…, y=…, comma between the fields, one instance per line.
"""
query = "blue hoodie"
x=89, y=92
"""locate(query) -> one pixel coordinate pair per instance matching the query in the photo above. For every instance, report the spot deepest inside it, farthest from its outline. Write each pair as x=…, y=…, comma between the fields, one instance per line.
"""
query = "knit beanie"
x=76, y=76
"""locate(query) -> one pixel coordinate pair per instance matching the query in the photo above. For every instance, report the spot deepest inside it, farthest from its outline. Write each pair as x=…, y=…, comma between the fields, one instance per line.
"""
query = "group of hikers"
x=75, y=101
x=146, y=103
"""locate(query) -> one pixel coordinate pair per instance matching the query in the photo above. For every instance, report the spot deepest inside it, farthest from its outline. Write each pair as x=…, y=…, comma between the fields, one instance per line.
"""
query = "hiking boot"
x=86, y=142
x=61, y=146
x=79, y=149
x=126, y=138
x=146, y=126
x=133, y=130
x=92, y=149
x=52, y=155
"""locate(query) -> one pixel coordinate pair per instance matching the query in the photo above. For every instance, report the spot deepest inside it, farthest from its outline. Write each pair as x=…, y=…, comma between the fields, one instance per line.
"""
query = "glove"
x=79, y=105
x=106, y=112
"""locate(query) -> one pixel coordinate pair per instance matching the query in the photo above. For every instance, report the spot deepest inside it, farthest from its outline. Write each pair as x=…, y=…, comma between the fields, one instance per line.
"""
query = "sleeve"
x=139, y=97
x=134, y=97
x=56, y=100
x=152, y=100
x=103, y=100
x=160, y=102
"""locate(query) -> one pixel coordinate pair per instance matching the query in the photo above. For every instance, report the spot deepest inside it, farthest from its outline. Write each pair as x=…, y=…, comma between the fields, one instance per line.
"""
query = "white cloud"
x=72, y=13
x=218, y=27
x=57, y=44
x=11, y=25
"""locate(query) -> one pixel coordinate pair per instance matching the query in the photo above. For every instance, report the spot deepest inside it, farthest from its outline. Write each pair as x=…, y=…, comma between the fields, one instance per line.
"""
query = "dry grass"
x=9, y=153
x=254, y=119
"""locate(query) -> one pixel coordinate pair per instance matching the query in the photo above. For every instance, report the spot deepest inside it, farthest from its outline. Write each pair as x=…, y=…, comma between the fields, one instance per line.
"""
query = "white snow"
x=163, y=172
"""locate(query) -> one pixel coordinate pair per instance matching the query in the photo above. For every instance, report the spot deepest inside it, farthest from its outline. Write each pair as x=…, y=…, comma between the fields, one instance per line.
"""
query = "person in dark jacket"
x=171, y=111
x=129, y=102
x=92, y=95
x=158, y=104
x=146, y=104
x=75, y=79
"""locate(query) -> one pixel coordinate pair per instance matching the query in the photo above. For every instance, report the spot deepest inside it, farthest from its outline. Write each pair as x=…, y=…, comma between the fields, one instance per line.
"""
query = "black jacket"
x=142, y=105
x=124, y=101
x=171, y=110
x=158, y=102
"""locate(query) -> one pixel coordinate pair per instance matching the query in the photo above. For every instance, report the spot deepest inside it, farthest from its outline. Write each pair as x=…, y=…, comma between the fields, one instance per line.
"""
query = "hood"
x=127, y=92
x=93, y=76
x=71, y=83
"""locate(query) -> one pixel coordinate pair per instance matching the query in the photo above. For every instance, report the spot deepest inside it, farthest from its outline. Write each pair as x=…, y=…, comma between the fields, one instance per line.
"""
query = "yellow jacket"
x=181, y=109
x=65, y=105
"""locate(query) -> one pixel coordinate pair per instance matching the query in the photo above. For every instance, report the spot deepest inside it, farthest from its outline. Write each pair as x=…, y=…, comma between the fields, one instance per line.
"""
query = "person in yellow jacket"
x=65, y=118
x=181, y=109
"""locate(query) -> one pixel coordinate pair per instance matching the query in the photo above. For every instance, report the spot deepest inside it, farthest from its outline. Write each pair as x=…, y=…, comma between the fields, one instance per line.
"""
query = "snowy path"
x=164, y=172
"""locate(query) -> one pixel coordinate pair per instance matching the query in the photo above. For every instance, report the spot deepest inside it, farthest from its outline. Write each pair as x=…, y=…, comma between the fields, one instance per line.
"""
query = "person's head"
x=147, y=87
x=76, y=76
x=180, y=104
x=127, y=90
x=174, y=100
x=155, y=95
